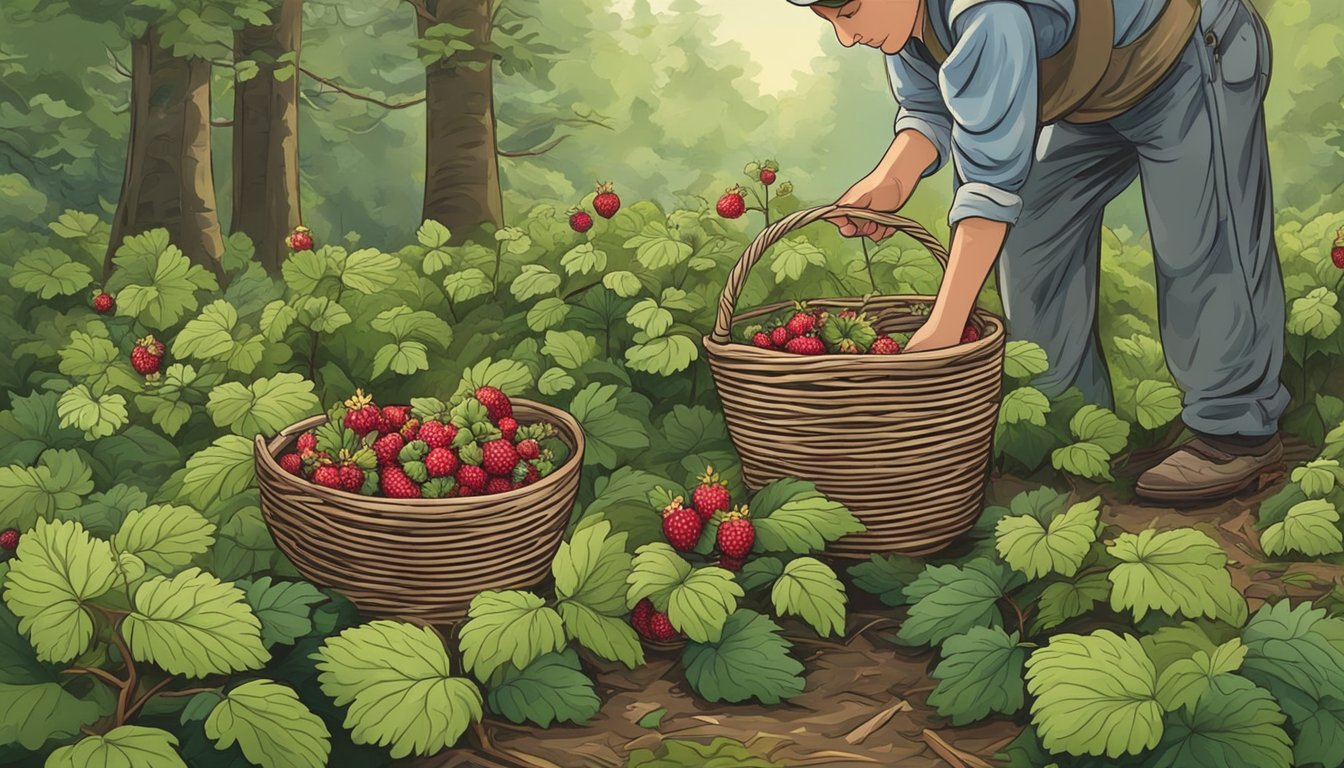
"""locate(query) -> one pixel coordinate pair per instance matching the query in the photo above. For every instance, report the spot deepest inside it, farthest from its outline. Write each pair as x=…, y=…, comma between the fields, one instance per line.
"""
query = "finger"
x=849, y=228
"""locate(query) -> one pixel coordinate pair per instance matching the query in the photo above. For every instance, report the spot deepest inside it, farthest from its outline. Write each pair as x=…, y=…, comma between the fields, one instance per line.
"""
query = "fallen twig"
x=865, y=730
x=954, y=757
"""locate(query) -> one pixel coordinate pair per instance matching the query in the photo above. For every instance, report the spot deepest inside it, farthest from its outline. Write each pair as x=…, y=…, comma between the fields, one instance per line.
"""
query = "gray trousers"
x=1198, y=144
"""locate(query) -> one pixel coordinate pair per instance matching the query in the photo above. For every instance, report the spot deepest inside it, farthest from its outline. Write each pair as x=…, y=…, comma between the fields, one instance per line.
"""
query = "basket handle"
x=772, y=234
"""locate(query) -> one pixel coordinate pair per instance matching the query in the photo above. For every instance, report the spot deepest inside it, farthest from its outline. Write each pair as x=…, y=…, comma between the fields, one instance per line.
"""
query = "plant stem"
x=132, y=677
x=106, y=677
x=868, y=261
x=1305, y=351
x=580, y=290
x=312, y=356
x=1021, y=617
x=767, y=205
x=494, y=279
x=186, y=692
x=140, y=702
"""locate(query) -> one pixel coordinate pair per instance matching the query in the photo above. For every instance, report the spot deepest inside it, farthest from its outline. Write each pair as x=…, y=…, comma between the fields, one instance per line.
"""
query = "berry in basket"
x=473, y=448
x=805, y=331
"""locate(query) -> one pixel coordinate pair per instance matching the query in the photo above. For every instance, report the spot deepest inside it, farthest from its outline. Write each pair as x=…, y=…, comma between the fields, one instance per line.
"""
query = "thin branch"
x=360, y=96
x=132, y=676
x=541, y=150
x=187, y=692
x=140, y=702
x=116, y=64
x=105, y=676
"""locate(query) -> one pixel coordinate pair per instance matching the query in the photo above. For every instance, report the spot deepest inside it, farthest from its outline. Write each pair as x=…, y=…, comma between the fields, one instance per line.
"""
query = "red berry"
x=801, y=324
x=732, y=205
x=386, y=448
x=509, y=427
x=394, y=484
x=885, y=345
x=641, y=616
x=533, y=475
x=736, y=534
x=362, y=415
x=327, y=476
x=441, y=462
x=436, y=434
x=473, y=477
x=969, y=335
x=465, y=491
x=711, y=495
x=767, y=176
x=606, y=203
x=805, y=345
x=9, y=540
x=529, y=449
x=661, y=629
x=306, y=443
x=104, y=303
x=395, y=417
x=499, y=457
x=411, y=430
x=681, y=526
x=733, y=564
x=1337, y=252
x=763, y=341
x=496, y=403
x=498, y=485
x=292, y=463
x=352, y=478
x=780, y=336
x=300, y=240
x=580, y=221
x=147, y=357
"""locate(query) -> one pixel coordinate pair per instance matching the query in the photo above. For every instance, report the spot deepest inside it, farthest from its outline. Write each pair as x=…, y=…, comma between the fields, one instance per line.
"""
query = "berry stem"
x=868, y=261
x=494, y=279
x=767, y=204
x=1021, y=617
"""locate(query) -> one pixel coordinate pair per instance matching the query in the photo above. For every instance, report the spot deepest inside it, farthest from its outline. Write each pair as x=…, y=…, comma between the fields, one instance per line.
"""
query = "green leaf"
x=759, y=572
x=697, y=600
x=656, y=248
x=1095, y=695
x=1186, y=680
x=1236, y=725
x=370, y=271
x=284, y=608
x=582, y=259
x=264, y=407
x=951, y=599
x=398, y=681
x=650, y=318
x=793, y=256
x=508, y=627
x=322, y=314
x=1314, y=315
x=554, y=381
x=570, y=349
x=1066, y=600
x=303, y=270
x=534, y=280
x=1024, y=405
x=509, y=376
x=547, y=313
x=432, y=234
x=48, y=273
x=621, y=283
x=1156, y=403
x=887, y=576
x=404, y=323
x=99, y=416
x=722, y=752
x=653, y=719
x=211, y=336
x=401, y=357
x=1024, y=359
x=1310, y=527
x=1297, y=648
x=1035, y=551
x=58, y=568
x=663, y=356
x=809, y=589
x=54, y=486
x=244, y=545
x=270, y=725
x=165, y=537
x=276, y=318
x=31, y=715
x=1178, y=572
x=749, y=661
x=194, y=625
x=1319, y=478
x=127, y=746
x=154, y=282
x=552, y=689
x=607, y=636
x=981, y=672
x=1099, y=426
x=802, y=525
x=467, y=284
x=1087, y=460
x=611, y=433
x=592, y=568
x=223, y=469
x=87, y=358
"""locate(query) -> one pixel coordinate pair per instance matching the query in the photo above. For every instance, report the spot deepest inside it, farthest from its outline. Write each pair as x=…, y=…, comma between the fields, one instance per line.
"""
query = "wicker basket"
x=905, y=441
x=420, y=559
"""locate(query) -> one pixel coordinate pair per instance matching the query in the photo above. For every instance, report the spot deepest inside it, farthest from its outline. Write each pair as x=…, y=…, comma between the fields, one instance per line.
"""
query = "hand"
x=875, y=192
x=935, y=335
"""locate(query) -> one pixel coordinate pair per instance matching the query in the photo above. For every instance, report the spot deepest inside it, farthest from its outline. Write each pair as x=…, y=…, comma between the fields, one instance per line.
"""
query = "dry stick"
x=954, y=757
x=863, y=731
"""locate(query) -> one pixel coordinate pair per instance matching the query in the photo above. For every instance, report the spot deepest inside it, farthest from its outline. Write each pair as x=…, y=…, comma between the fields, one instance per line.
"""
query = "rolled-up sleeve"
x=922, y=110
x=989, y=86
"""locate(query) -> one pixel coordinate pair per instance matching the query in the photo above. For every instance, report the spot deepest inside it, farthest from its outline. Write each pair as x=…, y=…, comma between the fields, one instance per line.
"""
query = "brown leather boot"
x=1205, y=470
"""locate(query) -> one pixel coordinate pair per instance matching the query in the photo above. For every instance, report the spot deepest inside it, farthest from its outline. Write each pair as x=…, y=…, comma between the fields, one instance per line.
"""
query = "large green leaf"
x=59, y=567
x=154, y=282
x=749, y=661
x=88, y=358
x=54, y=486
x=48, y=273
x=97, y=416
x=1234, y=725
x=649, y=317
x=981, y=672
x=467, y=284
x=607, y=636
x=127, y=746
x=1157, y=403
x=569, y=349
x=214, y=335
x=1319, y=478
x=1035, y=550
x=622, y=283
x=697, y=600
x=32, y=714
x=284, y=607
x=1183, y=682
x=1296, y=648
x=1024, y=405
x=264, y=407
x=398, y=683
x=270, y=725
x=508, y=627
x=1101, y=427
x=951, y=599
x=584, y=258
x=1024, y=359
x=1095, y=695
x=1314, y=315
x=194, y=625
x=887, y=576
x=663, y=356
x=1310, y=527
x=809, y=589
x=1178, y=572
x=404, y=324
x=790, y=516
x=612, y=433
x=591, y=569
x=223, y=469
x=164, y=536
x=1066, y=600
x=535, y=280
x=552, y=689
x=1087, y=460
x=791, y=257
x=370, y=271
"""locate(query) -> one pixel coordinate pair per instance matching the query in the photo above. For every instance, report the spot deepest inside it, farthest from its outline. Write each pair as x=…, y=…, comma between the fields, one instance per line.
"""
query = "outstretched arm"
x=975, y=247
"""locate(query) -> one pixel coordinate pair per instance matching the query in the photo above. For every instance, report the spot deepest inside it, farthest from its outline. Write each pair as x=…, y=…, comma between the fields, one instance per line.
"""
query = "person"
x=1047, y=110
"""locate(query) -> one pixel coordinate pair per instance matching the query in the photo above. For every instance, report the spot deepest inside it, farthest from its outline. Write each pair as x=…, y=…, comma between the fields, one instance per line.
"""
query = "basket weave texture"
x=420, y=559
x=905, y=441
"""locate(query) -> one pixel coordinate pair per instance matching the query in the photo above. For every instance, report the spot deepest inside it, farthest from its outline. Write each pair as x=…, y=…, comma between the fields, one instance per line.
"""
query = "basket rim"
x=266, y=451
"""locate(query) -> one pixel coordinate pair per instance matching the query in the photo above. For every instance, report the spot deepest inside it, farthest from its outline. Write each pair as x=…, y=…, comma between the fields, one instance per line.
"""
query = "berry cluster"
x=475, y=449
x=9, y=541
x=606, y=203
x=807, y=331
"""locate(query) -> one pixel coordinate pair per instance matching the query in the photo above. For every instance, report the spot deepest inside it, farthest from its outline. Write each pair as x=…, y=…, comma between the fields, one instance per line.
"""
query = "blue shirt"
x=980, y=109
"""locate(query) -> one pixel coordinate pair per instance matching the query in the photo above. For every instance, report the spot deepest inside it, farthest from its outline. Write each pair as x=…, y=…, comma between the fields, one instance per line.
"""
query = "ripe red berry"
x=362, y=415
x=464, y=491
x=884, y=345
x=306, y=443
x=395, y=417
x=9, y=540
x=300, y=240
x=473, y=477
x=103, y=303
x=498, y=485
x=327, y=476
x=763, y=341
x=532, y=475
x=736, y=534
x=641, y=617
x=437, y=434
x=661, y=629
x=508, y=426
x=969, y=335
x=394, y=484
x=386, y=448
x=711, y=495
x=499, y=457
x=780, y=336
x=733, y=564
x=529, y=449
x=352, y=478
x=496, y=403
x=1337, y=251
x=801, y=324
x=767, y=176
x=292, y=463
x=441, y=462
x=411, y=430
x=606, y=203
x=732, y=205
x=805, y=345
x=147, y=357
x=681, y=526
x=580, y=221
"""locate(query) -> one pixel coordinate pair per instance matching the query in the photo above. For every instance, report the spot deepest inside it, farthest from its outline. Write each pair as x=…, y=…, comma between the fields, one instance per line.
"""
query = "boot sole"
x=1267, y=478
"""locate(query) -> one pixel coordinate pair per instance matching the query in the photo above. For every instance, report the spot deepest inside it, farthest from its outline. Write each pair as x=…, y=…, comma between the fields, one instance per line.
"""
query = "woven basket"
x=420, y=559
x=905, y=441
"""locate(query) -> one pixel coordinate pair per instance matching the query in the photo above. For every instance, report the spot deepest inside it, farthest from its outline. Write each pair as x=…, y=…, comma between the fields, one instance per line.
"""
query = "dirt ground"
x=864, y=703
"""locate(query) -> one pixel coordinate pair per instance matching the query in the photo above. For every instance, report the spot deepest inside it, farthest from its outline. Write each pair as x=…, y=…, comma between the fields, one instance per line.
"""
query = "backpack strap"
x=1137, y=68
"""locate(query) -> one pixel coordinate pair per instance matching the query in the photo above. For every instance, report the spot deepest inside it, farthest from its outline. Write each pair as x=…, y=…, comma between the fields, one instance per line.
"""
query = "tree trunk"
x=169, y=181
x=461, y=167
x=266, y=136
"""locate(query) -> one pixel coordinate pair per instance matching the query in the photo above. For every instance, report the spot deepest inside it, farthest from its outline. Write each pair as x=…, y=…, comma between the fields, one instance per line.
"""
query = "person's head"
x=883, y=24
